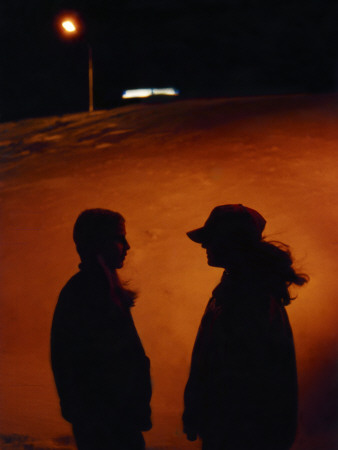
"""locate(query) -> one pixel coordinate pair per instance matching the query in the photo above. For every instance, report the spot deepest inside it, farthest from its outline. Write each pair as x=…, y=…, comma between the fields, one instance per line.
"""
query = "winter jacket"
x=99, y=364
x=242, y=388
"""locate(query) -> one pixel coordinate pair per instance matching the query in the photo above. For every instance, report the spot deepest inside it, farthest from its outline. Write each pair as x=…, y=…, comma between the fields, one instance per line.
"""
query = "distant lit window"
x=148, y=92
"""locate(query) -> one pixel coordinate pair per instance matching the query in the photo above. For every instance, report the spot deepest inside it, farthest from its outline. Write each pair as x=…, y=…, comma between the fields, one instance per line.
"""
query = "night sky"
x=203, y=48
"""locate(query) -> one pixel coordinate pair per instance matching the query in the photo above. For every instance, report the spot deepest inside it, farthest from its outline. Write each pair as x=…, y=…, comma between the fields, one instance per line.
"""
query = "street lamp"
x=71, y=27
x=68, y=26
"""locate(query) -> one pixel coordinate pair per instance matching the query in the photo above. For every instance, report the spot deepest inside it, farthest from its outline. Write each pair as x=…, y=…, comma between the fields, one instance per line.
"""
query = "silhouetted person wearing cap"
x=101, y=371
x=242, y=389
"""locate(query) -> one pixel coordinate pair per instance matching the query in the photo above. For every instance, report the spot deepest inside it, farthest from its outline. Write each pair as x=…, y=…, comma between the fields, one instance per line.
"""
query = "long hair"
x=274, y=261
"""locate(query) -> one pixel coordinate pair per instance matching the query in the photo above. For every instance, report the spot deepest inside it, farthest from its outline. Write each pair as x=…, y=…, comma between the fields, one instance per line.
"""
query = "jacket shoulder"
x=75, y=284
x=73, y=291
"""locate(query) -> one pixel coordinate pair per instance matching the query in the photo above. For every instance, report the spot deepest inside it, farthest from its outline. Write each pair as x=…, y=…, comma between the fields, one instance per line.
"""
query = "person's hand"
x=146, y=425
x=191, y=434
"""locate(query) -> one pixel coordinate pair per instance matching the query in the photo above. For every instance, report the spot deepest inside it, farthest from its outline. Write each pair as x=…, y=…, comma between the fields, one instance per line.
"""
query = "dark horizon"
x=217, y=48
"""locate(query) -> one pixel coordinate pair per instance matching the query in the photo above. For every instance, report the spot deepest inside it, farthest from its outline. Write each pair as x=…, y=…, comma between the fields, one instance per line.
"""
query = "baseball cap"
x=229, y=219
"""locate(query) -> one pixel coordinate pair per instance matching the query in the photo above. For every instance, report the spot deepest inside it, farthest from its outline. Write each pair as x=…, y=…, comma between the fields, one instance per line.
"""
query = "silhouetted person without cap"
x=242, y=389
x=101, y=371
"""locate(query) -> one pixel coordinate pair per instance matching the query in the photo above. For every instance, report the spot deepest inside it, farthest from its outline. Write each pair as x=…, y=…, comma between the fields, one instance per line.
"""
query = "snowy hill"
x=164, y=167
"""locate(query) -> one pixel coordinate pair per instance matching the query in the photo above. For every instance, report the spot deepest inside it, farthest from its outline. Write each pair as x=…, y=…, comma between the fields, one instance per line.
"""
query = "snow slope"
x=164, y=167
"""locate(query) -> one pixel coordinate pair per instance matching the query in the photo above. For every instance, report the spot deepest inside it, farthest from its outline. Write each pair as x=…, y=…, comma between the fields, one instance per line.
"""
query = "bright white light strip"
x=137, y=93
x=165, y=91
x=143, y=93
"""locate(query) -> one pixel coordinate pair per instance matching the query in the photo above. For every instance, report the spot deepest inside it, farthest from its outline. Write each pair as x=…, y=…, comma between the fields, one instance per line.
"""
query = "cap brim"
x=197, y=235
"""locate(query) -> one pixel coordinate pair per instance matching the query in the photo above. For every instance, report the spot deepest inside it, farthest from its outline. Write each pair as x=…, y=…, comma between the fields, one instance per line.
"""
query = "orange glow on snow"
x=275, y=154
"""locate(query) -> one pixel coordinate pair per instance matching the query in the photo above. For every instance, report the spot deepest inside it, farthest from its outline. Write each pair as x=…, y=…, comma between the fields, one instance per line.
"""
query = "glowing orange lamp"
x=69, y=26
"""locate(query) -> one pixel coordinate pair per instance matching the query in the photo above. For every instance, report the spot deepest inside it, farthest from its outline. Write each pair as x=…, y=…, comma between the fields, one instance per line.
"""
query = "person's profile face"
x=220, y=253
x=215, y=259
x=115, y=248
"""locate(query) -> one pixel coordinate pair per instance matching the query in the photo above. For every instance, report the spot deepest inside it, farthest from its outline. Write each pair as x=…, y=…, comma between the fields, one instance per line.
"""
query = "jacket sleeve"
x=62, y=355
x=99, y=363
x=195, y=390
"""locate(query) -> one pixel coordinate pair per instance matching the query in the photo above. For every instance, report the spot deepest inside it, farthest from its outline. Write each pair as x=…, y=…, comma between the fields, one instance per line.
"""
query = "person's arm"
x=192, y=406
x=194, y=393
x=62, y=355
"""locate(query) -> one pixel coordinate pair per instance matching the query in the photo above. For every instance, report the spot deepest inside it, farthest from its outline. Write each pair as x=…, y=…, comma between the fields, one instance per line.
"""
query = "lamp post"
x=90, y=78
x=70, y=27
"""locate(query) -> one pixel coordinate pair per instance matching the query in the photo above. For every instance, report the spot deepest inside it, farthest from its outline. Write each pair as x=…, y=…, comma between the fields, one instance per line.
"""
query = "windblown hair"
x=275, y=264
